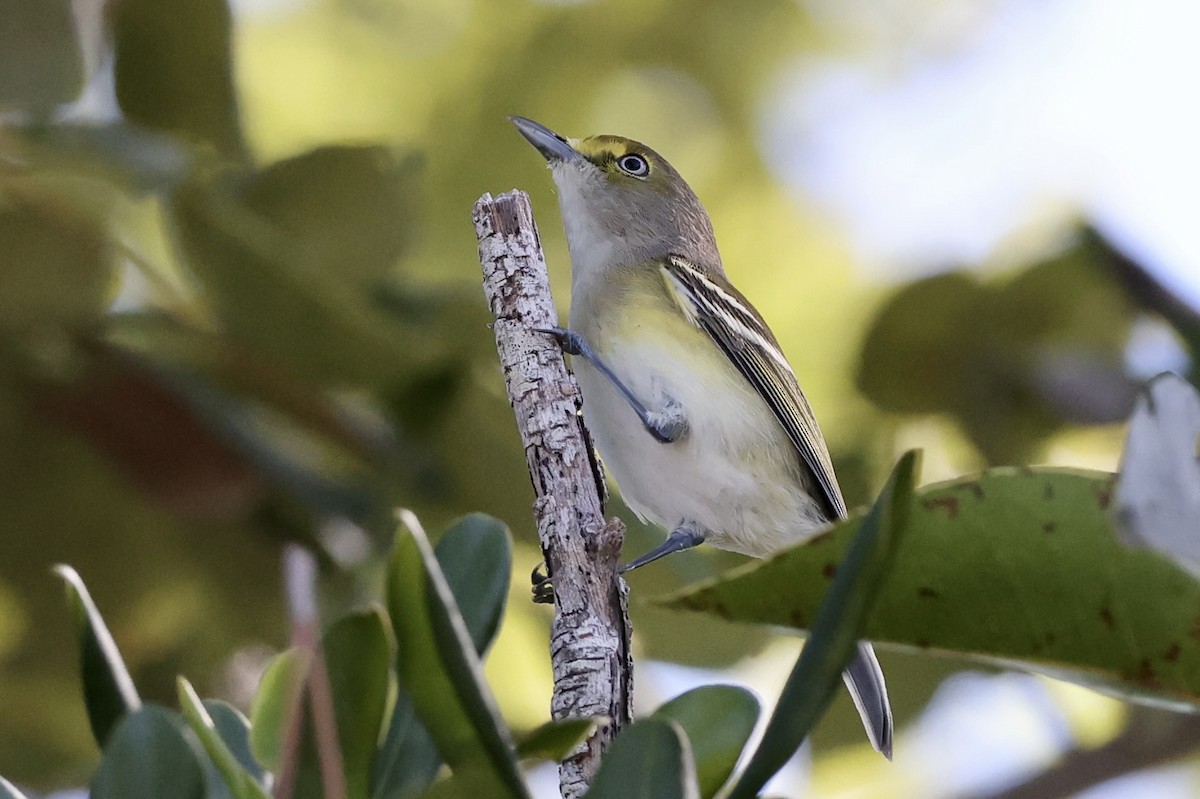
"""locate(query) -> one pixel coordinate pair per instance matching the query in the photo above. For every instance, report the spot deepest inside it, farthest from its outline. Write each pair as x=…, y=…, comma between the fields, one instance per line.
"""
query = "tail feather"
x=864, y=679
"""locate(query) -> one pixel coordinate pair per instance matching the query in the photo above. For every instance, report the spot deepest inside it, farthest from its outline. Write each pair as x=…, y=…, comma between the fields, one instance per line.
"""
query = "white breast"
x=735, y=474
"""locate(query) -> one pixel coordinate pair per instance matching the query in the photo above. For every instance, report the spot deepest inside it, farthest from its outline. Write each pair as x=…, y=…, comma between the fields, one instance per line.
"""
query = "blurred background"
x=239, y=291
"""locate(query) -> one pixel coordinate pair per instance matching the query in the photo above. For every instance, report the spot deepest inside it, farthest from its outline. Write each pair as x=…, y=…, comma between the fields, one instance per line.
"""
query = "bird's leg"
x=667, y=424
x=543, y=585
x=685, y=536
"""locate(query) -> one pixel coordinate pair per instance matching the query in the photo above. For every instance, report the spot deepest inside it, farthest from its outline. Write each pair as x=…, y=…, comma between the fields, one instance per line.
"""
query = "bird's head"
x=622, y=203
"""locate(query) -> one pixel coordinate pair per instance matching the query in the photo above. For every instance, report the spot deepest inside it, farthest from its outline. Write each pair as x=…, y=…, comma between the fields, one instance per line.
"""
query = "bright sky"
x=930, y=154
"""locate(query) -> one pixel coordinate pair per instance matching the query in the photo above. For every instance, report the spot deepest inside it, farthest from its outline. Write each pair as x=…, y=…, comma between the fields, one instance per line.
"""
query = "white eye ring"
x=633, y=165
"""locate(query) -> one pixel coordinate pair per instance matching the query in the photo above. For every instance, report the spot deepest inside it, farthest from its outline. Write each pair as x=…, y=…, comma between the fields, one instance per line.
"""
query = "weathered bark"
x=589, y=642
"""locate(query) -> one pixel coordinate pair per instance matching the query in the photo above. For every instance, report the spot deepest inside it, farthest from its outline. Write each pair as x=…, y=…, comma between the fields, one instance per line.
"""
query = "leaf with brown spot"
x=1077, y=604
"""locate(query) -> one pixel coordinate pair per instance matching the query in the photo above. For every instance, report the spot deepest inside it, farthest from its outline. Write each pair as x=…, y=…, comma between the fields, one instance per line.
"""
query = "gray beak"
x=552, y=146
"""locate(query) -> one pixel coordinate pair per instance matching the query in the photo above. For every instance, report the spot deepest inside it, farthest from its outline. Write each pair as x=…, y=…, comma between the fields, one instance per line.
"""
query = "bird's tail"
x=864, y=678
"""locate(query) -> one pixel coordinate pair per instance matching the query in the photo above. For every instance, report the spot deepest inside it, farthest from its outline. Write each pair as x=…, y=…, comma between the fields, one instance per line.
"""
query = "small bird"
x=689, y=399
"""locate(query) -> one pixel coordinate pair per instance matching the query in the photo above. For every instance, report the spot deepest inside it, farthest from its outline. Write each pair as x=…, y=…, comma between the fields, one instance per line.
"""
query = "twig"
x=589, y=640
x=1151, y=738
x=300, y=576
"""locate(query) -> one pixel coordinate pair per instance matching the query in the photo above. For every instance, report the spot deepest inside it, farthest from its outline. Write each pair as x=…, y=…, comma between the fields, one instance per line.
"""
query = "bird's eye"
x=634, y=165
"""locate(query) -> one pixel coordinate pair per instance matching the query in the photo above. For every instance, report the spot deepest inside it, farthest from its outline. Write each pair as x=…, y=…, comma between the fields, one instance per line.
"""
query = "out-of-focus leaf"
x=273, y=705
x=349, y=206
x=358, y=660
x=56, y=259
x=108, y=690
x=9, y=791
x=442, y=674
x=1158, y=490
x=284, y=300
x=174, y=71
x=475, y=554
x=241, y=784
x=149, y=758
x=127, y=154
x=649, y=760
x=408, y=761
x=718, y=721
x=840, y=620
x=209, y=432
x=554, y=740
x=912, y=364
x=476, y=558
x=1075, y=602
x=1148, y=292
x=40, y=63
x=234, y=730
x=154, y=436
x=1011, y=361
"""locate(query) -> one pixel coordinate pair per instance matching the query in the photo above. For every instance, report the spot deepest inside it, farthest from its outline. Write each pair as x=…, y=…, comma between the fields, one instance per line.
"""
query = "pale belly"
x=735, y=474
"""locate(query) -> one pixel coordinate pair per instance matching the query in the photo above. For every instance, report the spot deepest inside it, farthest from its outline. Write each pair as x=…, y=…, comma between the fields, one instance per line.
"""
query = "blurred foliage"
x=239, y=294
x=1014, y=361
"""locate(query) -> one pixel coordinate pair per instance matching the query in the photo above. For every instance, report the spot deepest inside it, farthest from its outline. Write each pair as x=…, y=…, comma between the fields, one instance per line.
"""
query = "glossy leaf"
x=9, y=791
x=108, y=690
x=234, y=730
x=554, y=740
x=149, y=758
x=273, y=705
x=441, y=672
x=1074, y=601
x=358, y=660
x=408, y=761
x=718, y=721
x=241, y=784
x=476, y=557
x=173, y=70
x=40, y=63
x=839, y=624
x=649, y=760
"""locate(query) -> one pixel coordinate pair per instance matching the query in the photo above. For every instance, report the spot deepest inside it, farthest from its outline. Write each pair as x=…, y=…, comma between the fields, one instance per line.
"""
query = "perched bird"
x=689, y=399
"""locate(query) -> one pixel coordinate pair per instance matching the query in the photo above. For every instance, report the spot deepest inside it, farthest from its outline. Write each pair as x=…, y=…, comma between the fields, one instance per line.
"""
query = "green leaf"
x=40, y=63
x=55, y=254
x=440, y=670
x=149, y=758
x=173, y=70
x=358, y=658
x=1076, y=603
x=649, y=760
x=241, y=784
x=408, y=761
x=718, y=721
x=475, y=555
x=240, y=418
x=273, y=705
x=840, y=620
x=286, y=301
x=554, y=740
x=9, y=791
x=348, y=205
x=1005, y=358
x=108, y=690
x=234, y=730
